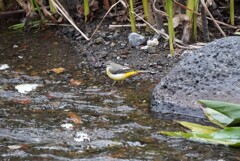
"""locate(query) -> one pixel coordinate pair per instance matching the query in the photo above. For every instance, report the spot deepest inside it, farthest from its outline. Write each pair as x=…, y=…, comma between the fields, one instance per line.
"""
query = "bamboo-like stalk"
x=145, y=10
x=2, y=6
x=232, y=12
x=131, y=15
x=196, y=3
x=52, y=8
x=86, y=9
x=190, y=6
x=169, y=8
x=32, y=5
x=38, y=7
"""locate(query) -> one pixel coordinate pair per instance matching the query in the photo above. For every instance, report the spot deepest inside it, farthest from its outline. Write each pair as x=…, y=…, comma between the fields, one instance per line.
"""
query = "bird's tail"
x=146, y=71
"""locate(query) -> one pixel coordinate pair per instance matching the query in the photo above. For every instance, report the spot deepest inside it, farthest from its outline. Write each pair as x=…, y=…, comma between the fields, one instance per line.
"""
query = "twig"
x=53, y=24
x=178, y=42
x=120, y=1
x=118, y=26
x=162, y=13
x=158, y=14
x=214, y=21
x=61, y=9
x=219, y=22
x=156, y=30
x=16, y=11
x=45, y=11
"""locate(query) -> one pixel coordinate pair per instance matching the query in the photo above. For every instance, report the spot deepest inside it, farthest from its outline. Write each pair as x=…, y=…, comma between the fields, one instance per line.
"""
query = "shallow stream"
x=77, y=114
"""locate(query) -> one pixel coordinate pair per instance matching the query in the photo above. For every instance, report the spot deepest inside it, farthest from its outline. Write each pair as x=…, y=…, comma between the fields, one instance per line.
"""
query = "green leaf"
x=220, y=113
x=217, y=117
x=236, y=33
x=230, y=110
x=178, y=134
x=220, y=137
x=232, y=133
x=197, y=128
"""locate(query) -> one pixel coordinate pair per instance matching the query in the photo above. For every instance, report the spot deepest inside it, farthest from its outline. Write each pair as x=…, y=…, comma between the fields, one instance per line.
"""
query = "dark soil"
x=114, y=46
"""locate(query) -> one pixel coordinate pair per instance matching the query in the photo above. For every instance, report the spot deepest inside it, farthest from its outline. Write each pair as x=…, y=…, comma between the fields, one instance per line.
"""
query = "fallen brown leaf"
x=75, y=82
x=57, y=70
x=75, y=118
x=23, y=101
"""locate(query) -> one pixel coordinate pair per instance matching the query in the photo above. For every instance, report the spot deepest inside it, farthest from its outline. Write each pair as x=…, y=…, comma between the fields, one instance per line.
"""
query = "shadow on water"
x=77, y=114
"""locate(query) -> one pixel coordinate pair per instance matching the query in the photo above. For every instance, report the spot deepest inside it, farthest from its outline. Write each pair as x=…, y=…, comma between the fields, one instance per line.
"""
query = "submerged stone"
x=212, y=72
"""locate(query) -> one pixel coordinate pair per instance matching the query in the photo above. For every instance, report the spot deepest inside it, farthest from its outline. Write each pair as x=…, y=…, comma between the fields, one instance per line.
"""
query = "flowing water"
x=77, y=114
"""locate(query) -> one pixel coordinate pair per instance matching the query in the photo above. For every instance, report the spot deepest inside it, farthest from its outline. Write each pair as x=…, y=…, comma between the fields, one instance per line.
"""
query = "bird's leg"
x=114, y=83
x=122, y=81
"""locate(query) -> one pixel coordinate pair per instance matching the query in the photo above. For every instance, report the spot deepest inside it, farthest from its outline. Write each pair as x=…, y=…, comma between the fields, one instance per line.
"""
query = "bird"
x=118, y=72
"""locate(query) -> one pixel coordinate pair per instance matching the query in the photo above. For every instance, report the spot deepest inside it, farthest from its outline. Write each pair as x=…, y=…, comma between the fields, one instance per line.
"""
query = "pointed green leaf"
x=197, y=128
x=216, y=138
x=217, y=117
x=177, y=134
x=231, y=133
x=230, y=110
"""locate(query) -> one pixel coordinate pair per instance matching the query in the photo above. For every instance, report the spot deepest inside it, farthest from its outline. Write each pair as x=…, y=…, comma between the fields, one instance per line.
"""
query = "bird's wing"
x=119, y=71
x=117, y=68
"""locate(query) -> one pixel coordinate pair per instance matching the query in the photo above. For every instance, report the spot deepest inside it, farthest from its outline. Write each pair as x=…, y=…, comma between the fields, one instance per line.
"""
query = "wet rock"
x=79, y=38
x=151, y=50
x=115, y=35
x=211, y=72
x=99, y=40
x=101, y=144
x=153, y=42
x=103, y=54
x=112, y=44
x=80, y=137
x=136, y=39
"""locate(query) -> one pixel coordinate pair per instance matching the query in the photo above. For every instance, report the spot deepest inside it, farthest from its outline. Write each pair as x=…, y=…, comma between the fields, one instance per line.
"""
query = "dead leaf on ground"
x=22, y=101
x=75, y=118
x=57, y=70
x=179, y=19
x=75, y=82
x=25, y=146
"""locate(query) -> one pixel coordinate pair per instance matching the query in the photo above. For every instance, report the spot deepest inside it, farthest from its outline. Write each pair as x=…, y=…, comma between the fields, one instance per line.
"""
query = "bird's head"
x=109, y=63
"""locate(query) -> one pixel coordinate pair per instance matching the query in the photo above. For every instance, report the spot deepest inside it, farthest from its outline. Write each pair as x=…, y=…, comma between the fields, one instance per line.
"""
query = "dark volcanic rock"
x=212, y=72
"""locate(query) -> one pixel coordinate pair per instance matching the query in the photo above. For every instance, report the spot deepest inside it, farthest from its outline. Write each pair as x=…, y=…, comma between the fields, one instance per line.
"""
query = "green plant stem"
x=131, y=15
x=146, y=11
x=2, y=6
x=32, y=5
x=169, y=8
x=86, y=9
x=37, y=6
x=190, y=5
x=232, y=12
x=195, y=20
x=52, y=8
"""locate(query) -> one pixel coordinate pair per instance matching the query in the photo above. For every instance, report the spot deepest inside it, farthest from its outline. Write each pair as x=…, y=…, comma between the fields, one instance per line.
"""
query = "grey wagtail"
x=118, y=72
